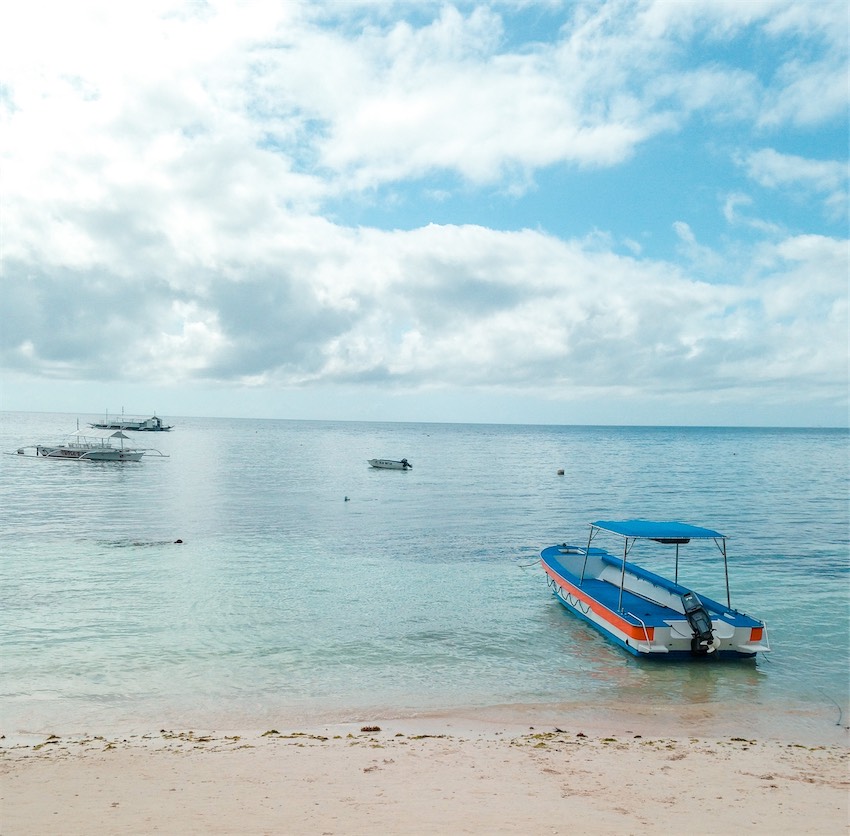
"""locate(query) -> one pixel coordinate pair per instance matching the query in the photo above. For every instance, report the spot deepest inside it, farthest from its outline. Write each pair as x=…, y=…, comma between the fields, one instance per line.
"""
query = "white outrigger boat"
x=92, y=446
x=390, y=464
x=646, y=614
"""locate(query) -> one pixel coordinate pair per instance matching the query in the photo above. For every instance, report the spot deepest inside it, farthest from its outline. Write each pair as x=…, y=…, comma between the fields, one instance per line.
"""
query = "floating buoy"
x=560, y=471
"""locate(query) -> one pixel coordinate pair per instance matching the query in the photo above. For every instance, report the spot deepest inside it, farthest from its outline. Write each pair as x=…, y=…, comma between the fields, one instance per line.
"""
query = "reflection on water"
x=619, y=676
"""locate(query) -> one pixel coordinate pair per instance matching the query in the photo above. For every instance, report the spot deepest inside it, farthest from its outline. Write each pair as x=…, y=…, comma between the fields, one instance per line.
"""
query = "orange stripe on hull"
x=633, y=631
x=756, y=634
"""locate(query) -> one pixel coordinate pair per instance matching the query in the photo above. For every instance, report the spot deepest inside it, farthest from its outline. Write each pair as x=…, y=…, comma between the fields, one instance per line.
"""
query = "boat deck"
x=642, y=610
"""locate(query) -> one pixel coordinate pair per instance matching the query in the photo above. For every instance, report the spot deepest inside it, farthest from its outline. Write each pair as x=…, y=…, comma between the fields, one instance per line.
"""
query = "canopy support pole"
x=623, y=575
x=722, y=546
x=586, y=552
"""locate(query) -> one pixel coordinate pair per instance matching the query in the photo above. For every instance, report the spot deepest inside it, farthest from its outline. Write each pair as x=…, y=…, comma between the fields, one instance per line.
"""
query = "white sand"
x=438, y=775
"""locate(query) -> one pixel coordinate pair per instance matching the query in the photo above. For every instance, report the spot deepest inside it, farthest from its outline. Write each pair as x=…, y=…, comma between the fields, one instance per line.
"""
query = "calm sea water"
x=421, y=592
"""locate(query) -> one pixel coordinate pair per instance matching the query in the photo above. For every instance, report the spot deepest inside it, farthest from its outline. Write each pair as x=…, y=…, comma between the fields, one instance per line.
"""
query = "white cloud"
x=166, y=167
x=734, y=206
x=110, y=94
x=772, y=169
x=827, y=178
x=473, y=307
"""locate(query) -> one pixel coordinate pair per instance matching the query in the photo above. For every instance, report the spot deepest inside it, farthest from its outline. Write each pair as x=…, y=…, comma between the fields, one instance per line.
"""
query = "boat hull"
x=92, y=454
x=139, y=425
x=646, y=628
x=390, y=464
x=131, y=427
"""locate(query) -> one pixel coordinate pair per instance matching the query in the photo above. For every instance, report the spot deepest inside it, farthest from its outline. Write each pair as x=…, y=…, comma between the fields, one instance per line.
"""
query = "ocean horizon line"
x=447, y=423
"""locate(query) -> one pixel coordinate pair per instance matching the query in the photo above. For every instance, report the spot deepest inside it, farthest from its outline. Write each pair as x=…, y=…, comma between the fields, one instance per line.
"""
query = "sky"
x=602, y=212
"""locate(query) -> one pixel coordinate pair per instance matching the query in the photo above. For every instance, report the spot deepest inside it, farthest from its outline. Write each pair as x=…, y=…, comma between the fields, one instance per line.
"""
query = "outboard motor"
x=703, y=641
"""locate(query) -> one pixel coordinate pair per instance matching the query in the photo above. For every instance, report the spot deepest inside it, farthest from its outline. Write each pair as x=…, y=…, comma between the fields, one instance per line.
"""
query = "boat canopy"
x=103, y=434
x=663, y=531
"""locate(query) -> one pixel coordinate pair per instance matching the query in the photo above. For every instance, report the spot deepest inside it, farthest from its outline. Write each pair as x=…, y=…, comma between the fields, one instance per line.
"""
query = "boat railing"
x=645, y=630
x=765, y=636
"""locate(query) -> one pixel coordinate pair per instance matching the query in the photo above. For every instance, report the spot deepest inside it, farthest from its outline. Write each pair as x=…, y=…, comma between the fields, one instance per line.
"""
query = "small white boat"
x=390, y=464
x=92, y=446
x=152, y=424
x=646, y=614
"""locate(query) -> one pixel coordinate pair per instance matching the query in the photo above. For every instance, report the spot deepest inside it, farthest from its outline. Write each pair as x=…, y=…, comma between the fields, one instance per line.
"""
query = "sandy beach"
x=420, y=776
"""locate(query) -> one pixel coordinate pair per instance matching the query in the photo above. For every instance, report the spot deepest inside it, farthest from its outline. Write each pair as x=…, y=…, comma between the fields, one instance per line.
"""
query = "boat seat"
x=647, y=584
x=646, y=587
x=645, y=574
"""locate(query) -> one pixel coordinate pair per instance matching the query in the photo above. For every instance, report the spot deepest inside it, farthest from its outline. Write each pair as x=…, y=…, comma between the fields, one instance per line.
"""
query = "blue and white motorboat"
x=647, y=614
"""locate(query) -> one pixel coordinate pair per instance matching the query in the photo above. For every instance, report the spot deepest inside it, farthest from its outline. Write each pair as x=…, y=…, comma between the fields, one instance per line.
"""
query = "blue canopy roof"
x=656, y=530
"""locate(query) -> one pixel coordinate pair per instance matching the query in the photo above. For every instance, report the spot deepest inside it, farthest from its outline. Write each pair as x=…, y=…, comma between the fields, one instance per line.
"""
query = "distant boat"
x=390, y=464
x=646, y=614
x=92, y=446
x=152, y=424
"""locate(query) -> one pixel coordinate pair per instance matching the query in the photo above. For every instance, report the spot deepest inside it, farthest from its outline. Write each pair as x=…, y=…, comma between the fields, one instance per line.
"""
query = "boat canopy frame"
x=101, y=435
x=96, y=436
x=665, y=532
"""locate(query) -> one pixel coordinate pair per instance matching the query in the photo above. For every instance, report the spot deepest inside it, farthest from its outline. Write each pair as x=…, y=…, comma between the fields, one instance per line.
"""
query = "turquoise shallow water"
x=420, y=593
